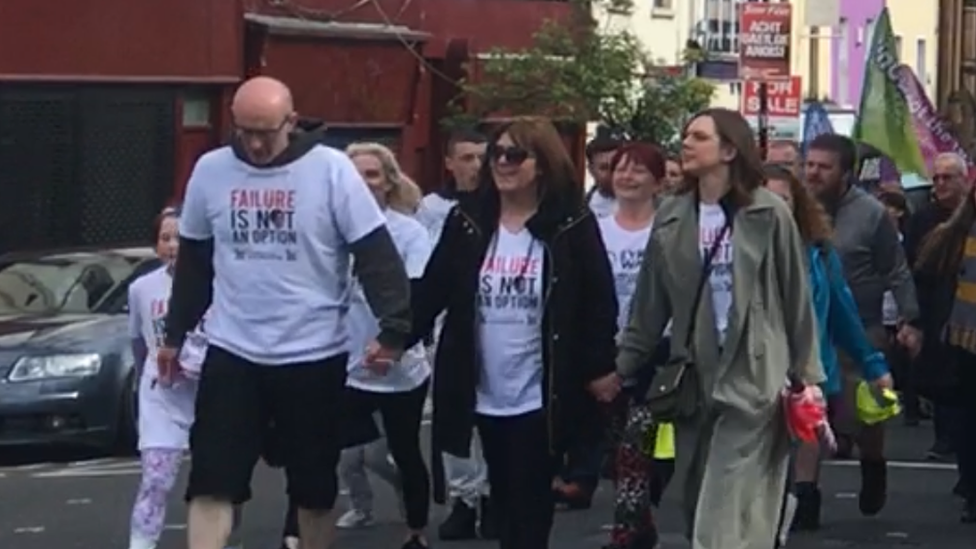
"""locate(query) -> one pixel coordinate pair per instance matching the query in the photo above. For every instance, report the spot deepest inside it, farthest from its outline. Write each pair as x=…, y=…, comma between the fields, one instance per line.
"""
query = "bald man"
x=269, y=227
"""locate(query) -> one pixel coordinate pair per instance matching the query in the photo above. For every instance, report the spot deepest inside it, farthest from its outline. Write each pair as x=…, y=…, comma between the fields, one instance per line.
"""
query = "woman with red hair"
x=644, y=457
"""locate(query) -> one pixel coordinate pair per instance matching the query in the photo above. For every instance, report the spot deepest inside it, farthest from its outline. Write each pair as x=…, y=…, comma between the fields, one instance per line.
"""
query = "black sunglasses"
x=512, y=154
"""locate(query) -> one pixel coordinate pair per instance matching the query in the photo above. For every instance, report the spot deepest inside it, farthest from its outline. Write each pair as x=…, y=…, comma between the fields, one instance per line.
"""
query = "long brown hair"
x=941, y=251
x=810, y=216
x=536, y=134
x=746, y=168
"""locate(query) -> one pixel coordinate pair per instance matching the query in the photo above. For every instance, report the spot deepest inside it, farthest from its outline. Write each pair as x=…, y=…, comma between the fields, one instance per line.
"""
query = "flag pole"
x=763, y=118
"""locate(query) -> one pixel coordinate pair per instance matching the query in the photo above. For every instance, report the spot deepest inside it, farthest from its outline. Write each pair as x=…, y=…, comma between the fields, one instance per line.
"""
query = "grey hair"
x=955, y=158
x=404, y=195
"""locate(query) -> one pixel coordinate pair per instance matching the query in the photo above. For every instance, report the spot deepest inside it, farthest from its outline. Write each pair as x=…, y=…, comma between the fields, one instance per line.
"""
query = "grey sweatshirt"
x=873, y=258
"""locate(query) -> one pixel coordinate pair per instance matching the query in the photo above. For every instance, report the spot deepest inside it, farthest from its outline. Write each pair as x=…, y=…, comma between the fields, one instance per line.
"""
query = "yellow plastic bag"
x=661, y=445
x=875, y=405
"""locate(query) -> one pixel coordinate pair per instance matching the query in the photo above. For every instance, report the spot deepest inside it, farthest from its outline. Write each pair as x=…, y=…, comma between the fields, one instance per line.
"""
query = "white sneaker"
x=354, y=518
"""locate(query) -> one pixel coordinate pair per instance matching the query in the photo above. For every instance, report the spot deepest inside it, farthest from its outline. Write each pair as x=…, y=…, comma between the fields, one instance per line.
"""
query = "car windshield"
x=76, y=283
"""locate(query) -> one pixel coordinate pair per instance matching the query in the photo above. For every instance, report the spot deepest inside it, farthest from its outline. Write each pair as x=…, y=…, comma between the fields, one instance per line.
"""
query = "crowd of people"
x=312, y=300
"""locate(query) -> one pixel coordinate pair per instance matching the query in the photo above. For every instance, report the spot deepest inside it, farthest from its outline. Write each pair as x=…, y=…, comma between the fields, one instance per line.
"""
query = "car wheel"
x=126, y=433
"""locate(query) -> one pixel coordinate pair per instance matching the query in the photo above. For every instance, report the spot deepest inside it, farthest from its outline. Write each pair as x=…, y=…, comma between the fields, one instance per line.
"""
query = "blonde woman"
x=381, y=171
x=397, y=397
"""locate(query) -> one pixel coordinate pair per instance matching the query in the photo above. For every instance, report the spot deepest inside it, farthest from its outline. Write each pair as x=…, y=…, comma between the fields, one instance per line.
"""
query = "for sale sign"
x=784, y=105
x=764, y=39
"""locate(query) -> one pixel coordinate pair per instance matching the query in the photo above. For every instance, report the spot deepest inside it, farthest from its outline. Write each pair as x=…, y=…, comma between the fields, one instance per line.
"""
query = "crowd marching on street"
x=688, y=309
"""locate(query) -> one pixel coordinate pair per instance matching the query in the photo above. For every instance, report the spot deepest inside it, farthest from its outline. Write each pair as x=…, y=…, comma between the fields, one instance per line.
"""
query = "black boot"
x=461, y=524
x=808, y=500
x=969, y=512
x=874, y=487
x=487, y=521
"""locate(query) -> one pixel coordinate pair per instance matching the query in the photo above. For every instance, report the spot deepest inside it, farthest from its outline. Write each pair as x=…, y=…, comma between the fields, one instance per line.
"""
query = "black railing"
x=83, y=165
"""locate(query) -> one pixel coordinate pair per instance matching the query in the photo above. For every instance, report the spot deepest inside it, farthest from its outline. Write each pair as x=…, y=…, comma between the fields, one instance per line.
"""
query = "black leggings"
x=401, y=414
x=520, y=471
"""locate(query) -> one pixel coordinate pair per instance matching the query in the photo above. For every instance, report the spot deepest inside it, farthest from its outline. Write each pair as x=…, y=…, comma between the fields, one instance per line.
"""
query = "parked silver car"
x=66, y=365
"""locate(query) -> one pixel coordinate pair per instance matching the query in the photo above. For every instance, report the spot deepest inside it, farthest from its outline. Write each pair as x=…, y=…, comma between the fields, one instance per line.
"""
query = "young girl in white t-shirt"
x=166, y=399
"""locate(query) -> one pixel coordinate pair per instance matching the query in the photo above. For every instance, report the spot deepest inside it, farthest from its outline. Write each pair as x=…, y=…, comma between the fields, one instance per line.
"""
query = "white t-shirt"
x=413, y=243
x=281, y=250
x=432, y=214
x=711, y=221
x=165, y=413
x=510, y=308
x=889, y=307
x=625, y=249
x=602, y=206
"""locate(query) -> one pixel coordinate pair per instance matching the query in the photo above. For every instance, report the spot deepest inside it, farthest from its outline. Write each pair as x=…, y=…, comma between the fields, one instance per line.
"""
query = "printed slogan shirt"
x=510, y=325
x=165, y=412
x=625, y=250
x=711, y=222
x=281, y=250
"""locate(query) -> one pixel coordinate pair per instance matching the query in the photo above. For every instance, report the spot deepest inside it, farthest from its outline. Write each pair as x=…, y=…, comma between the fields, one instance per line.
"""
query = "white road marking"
x=29, y=530
x=897, y=535
x=917, y=465
x=93, y=462
x=845, y=495
x=107, y=467
x=69, y=473
x=174, y=527
x=28, y=467
x=78, y=501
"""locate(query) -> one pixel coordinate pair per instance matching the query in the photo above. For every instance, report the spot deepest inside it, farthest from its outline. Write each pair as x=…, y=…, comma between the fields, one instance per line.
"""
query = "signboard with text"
x=784, y=106
x=764, y=40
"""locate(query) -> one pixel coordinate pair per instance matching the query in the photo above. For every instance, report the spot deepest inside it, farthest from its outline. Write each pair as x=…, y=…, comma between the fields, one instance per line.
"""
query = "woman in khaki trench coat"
x=754, y=327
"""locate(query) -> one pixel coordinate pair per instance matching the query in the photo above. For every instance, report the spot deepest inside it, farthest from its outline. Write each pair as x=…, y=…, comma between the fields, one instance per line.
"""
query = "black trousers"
x=963, y=427
x=238, y=400
x=520, y=471
x=401, y=414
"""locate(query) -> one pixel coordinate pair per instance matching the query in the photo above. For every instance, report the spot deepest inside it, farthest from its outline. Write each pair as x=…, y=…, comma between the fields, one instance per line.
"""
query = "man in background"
x=463, y=156
x=874, y=262
x=949, y=187
x=599, y=154
x=785, y=153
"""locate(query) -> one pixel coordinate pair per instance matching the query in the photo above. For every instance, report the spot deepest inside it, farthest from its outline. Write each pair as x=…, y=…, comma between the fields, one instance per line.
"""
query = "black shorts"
x=239, y=400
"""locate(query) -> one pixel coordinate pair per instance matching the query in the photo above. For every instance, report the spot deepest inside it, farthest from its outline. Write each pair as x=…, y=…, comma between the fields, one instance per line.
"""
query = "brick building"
x=105, y=105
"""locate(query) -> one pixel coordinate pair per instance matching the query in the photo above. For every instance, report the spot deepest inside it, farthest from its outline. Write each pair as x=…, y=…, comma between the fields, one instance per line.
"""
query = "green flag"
x=884, y=120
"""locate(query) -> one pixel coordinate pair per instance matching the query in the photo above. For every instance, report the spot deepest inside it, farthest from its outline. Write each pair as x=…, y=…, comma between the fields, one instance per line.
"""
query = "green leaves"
x=565, y=74
x=663, y=106
x=576, y=72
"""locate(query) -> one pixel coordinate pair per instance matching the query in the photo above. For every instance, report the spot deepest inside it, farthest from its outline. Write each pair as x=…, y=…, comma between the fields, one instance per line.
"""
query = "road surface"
x=56, y=499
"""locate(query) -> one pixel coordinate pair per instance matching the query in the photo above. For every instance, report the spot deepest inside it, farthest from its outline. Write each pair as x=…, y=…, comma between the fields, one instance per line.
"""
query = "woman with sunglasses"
x=522, y=261
x=166, y=399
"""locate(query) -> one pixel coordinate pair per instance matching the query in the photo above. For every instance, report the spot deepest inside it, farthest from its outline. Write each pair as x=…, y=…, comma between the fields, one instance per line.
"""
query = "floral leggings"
x=160, y=469
x=640, y=482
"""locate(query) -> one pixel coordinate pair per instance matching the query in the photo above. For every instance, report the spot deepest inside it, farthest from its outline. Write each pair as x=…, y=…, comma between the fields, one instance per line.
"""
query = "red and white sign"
x=784, y=105
x=764, y=39
x=784, y=97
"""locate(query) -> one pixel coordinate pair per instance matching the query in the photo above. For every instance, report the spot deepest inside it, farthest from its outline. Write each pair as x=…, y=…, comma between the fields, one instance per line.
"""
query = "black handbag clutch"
x=675, y=391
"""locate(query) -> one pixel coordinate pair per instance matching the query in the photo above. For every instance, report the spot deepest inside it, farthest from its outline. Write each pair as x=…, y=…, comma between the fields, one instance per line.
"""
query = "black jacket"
x=935, y=374
x=579, y=319
x=920, y=224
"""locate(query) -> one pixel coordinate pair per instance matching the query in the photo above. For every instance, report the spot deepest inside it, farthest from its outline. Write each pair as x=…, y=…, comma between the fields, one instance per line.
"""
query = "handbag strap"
x=707, y=264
